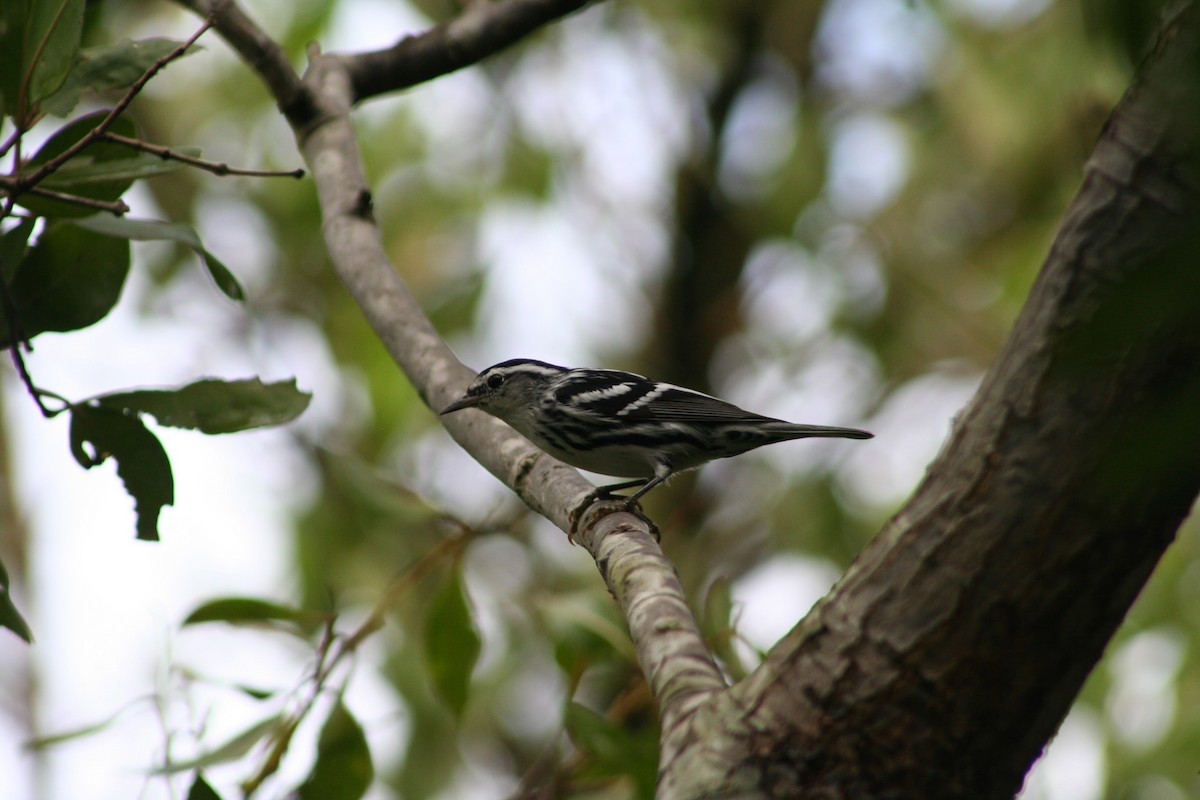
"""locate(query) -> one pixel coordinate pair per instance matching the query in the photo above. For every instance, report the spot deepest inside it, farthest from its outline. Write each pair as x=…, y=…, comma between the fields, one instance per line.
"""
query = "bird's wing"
x=616, y=396
x=675, y=404
x=613, y=399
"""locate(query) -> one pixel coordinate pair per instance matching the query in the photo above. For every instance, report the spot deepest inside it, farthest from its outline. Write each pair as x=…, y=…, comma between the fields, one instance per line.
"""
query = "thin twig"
x=16, y=336
x=15, y=343
x=283, y=739
x=264, y=55
x=215, y=167
x=117, y=207
x=341, y=648
x=94, y=134
x=18, y=185
x=412, y=576
x=13, y=139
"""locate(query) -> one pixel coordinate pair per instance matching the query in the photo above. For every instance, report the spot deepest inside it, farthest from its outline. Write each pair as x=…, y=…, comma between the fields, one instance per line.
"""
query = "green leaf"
x=595, y=734
x=155, y=230
x=200, y=790
x=69, y=280
x=141, y=461
x=81, y=173
x=719, y=628
x=13, y=244
x=13, y=20
x=51, y=42
x=592, y=630
x=215, y=406
x=343, y=768
x=235, y=748
x=253, y=611
x=614, y=748
x=71, y=133
x=107, y=67
x=38, y=43
x=42, y=742
x=10, y=617
x=254, y=692
x=85, y=174
x=452, y=643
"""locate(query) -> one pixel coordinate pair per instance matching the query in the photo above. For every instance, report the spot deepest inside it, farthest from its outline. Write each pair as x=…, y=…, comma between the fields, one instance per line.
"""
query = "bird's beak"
x=466, y=401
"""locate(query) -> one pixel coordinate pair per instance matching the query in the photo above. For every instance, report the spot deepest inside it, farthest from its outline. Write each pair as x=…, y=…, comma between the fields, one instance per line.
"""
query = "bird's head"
x=508, y=389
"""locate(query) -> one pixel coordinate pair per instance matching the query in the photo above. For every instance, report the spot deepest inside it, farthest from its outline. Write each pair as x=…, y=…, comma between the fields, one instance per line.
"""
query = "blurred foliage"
x=787, y=201
x=65, y=245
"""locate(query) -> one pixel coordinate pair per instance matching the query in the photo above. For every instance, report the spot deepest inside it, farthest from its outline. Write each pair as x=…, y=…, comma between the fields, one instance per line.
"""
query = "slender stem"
x=215, y=167
x=23, y=183
x=333, y=650
x=16, y=336
x=11, y=141
x=117, y=207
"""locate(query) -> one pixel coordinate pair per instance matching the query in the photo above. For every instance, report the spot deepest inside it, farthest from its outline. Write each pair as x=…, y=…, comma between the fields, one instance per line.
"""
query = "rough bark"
x=948, y=654
x=954, y=646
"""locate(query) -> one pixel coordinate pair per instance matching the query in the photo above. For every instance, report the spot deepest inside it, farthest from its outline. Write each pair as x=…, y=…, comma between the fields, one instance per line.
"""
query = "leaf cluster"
x=65, y=249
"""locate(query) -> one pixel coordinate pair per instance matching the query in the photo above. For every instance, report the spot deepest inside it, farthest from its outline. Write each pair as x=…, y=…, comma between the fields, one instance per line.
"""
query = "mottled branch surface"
x=678, y=667
x=952, y=649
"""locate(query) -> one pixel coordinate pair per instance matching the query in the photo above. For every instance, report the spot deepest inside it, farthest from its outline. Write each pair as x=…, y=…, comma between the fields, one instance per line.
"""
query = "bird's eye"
x=494, y=381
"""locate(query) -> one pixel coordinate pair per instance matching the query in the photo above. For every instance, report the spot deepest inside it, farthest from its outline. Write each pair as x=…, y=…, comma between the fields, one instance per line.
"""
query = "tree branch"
x=10, y=186
x=637, y=573
x=22, y=182
x=262, y=53
x=954, y=646
x=484, y=28
x=215, y=167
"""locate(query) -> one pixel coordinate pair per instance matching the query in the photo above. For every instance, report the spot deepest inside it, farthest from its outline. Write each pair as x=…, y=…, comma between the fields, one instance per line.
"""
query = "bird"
x=621, y=424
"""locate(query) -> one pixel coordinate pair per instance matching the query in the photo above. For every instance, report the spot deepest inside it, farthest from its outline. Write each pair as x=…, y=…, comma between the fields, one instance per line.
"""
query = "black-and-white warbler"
x=621, y=424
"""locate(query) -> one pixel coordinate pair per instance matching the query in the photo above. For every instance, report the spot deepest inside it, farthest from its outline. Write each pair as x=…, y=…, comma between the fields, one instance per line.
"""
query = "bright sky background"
x=106, y=608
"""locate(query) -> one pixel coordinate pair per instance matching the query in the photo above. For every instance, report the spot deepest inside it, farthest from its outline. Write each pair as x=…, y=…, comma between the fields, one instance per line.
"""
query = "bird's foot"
x=600, y=503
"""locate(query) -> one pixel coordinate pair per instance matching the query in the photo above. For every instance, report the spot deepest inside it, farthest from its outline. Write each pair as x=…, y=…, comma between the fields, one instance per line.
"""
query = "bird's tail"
x=793, y=430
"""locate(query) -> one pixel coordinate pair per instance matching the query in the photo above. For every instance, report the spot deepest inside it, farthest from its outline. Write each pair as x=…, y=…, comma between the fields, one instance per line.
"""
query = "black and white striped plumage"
x=621, y=424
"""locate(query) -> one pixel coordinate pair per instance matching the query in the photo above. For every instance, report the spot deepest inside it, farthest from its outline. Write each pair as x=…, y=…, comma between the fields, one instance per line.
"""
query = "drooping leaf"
x=107, y=67
x=142, y=464
x=343, y=768
x=235, y=748
x=42, y=742
x=69, y=280
x=452, y=643
x=88, y=174
x=155, y=230
x=10, y=617
x=253, y=611
x=215, y=406
x=201, y=790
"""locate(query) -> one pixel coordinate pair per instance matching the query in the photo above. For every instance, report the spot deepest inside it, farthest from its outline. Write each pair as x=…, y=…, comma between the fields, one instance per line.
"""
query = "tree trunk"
x=949, y=653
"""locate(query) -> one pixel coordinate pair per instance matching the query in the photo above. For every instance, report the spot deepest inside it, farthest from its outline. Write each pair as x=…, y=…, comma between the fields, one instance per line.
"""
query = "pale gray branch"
x=670, y=649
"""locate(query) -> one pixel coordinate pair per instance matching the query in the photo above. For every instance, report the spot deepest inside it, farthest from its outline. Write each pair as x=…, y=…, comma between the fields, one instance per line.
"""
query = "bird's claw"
x=606, y=503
